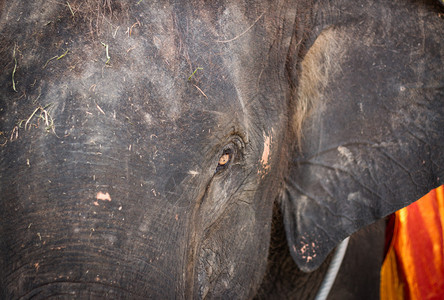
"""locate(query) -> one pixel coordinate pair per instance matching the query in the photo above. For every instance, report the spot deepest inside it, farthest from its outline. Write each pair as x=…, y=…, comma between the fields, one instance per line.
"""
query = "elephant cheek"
x=233, y=255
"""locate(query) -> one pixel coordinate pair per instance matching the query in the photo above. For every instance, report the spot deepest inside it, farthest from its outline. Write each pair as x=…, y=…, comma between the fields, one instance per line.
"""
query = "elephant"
x=211, y=149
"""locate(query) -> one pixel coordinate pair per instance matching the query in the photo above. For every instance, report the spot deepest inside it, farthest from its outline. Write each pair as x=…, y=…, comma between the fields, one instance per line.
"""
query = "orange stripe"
x=418, y=244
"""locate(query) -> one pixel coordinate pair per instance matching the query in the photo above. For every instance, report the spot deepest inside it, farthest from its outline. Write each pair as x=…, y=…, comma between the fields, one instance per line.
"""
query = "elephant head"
x=145, y=144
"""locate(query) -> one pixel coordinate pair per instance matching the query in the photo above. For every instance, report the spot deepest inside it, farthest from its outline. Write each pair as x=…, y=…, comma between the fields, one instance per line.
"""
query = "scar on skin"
x=102, y=197
x=266, y=154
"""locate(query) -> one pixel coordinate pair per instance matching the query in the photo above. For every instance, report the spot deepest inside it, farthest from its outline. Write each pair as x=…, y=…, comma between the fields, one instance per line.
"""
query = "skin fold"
x=210, y=149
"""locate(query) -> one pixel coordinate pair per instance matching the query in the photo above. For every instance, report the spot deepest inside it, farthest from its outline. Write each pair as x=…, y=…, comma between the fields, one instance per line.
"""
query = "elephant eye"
x=224, y=160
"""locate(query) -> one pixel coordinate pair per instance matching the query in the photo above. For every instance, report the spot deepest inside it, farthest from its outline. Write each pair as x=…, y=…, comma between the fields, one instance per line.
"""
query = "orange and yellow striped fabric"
x=414, y=265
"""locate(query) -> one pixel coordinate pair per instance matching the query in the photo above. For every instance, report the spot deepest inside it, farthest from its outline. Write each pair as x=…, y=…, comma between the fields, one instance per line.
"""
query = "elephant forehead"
x=175, y=121
x=157, y=64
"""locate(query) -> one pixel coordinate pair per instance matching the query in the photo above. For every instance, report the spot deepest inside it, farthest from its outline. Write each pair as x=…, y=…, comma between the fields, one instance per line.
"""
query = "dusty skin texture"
x=210, y=149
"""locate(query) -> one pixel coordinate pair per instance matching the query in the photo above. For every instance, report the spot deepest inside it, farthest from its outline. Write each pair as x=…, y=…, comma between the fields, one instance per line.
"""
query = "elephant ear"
x=373, y=138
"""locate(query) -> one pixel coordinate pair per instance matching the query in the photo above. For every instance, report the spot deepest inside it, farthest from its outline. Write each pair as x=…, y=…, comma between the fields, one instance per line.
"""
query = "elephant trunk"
x=77, y=228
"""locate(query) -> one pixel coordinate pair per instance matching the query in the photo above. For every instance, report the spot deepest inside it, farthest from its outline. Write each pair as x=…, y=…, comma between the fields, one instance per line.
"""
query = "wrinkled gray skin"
x=110, y=179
